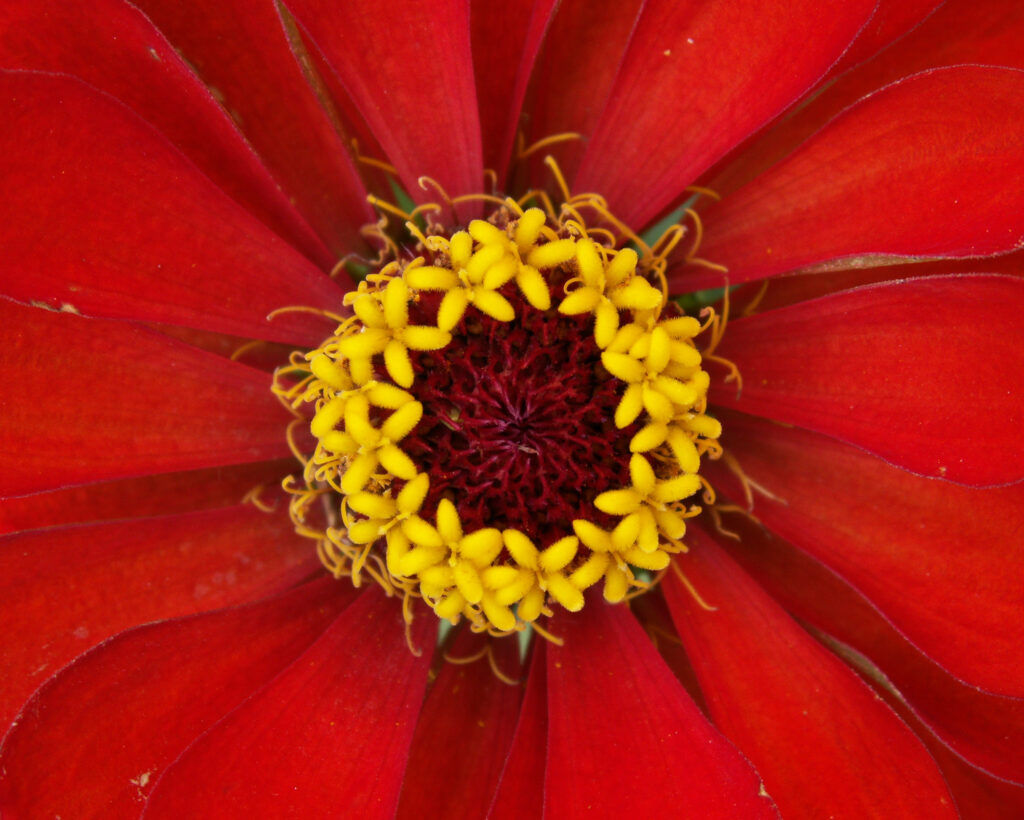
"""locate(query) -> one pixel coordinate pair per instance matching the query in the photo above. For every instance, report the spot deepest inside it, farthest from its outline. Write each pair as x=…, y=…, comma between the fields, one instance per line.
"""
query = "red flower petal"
x=818, y=735
x=927, y=373
x=97, y=400
x=240, y=48
x=463, y=734
x=137, y=231
x=988, y=32
x=113, y=47
x=986, y=729
x=781, y=291
x=938, y=559
x=253, y=352
x=137, y=701
x=977, y=795
x=408, y=67
x=626, y=737
x=918, y=169
x=520, y=792
x=506, y=39
x=329, y=734
x=652, y=613
x=140, y=497
x=571, y=84
x=695, y=82
x=67, y=589
x=891, y=20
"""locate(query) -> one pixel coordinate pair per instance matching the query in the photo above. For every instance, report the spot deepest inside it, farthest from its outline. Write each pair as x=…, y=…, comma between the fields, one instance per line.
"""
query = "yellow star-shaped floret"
x=369, y=447
x=529, y=256
x=449, y=572
x=606, y=287
x=646, y=506
x=663, y=373
x=542, y=573
x=467, y=281
x=397, y=518
x=386, y=329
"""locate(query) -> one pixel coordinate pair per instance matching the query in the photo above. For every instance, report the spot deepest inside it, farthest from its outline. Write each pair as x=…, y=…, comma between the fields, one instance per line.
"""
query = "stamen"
x=371, y=161
x=563, y=186
x=326, y=314
x=541, y=144
x=692, y=589
x=253, y=497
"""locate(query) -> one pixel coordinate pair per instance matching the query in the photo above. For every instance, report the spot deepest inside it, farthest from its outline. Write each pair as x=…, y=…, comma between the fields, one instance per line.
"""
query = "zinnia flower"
x=510, y=411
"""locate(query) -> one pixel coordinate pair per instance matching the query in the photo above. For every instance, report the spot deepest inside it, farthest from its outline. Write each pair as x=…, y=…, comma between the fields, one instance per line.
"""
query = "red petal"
x=696, y=80
x=927, y=373
x=113, y=47
x=652, y=613
x=781, y=291
x=102, y=215
x=506, y=39
x=520, y=792
x=986, y=729
x=408, y=67
x=625, y=736
x=463, y=734
x=918, y=169
x=91, y=400
x=978, y=796
x=330, y=735
x=140, y=497
x=988, y=32
x=938, y=559
x=824, y=744
x=253, y=352
x=94, y=740
x=891, y=20
x=67, y=589
x=241, y=49
x=571, y=82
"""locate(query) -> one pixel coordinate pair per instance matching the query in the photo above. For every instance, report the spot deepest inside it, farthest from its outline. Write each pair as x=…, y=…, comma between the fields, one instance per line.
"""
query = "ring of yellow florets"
x=501, y=579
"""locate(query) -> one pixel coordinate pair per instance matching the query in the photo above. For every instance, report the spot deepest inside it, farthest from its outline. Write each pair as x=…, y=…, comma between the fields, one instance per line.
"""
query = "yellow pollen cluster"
x=362, y=383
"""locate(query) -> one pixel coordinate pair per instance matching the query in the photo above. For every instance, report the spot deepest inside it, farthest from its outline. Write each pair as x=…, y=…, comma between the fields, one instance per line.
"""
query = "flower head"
x=652, y=380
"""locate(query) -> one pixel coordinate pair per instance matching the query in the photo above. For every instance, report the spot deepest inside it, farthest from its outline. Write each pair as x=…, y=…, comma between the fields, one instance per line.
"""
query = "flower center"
x=517, y=420
x=513, y=413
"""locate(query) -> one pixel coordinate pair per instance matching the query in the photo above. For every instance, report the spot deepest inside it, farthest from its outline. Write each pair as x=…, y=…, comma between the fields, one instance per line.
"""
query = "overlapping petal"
x=695, y=81
x=114, y=575
x=891, y=20
x=818, y=735
x=597, y=40
x=938, y=559
x=279, y=751
x=609, y=694
x=463, y=732
x=135, y=230
x=427, y=122
x=985, y=729
x=520, y=792
x=983, y=32
x=112, y=46
x=916, y=170
x=99, y=399
x=506, y=39
x=143, y=496
x=133, y=702
x=926, y=373
x=248, y=52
